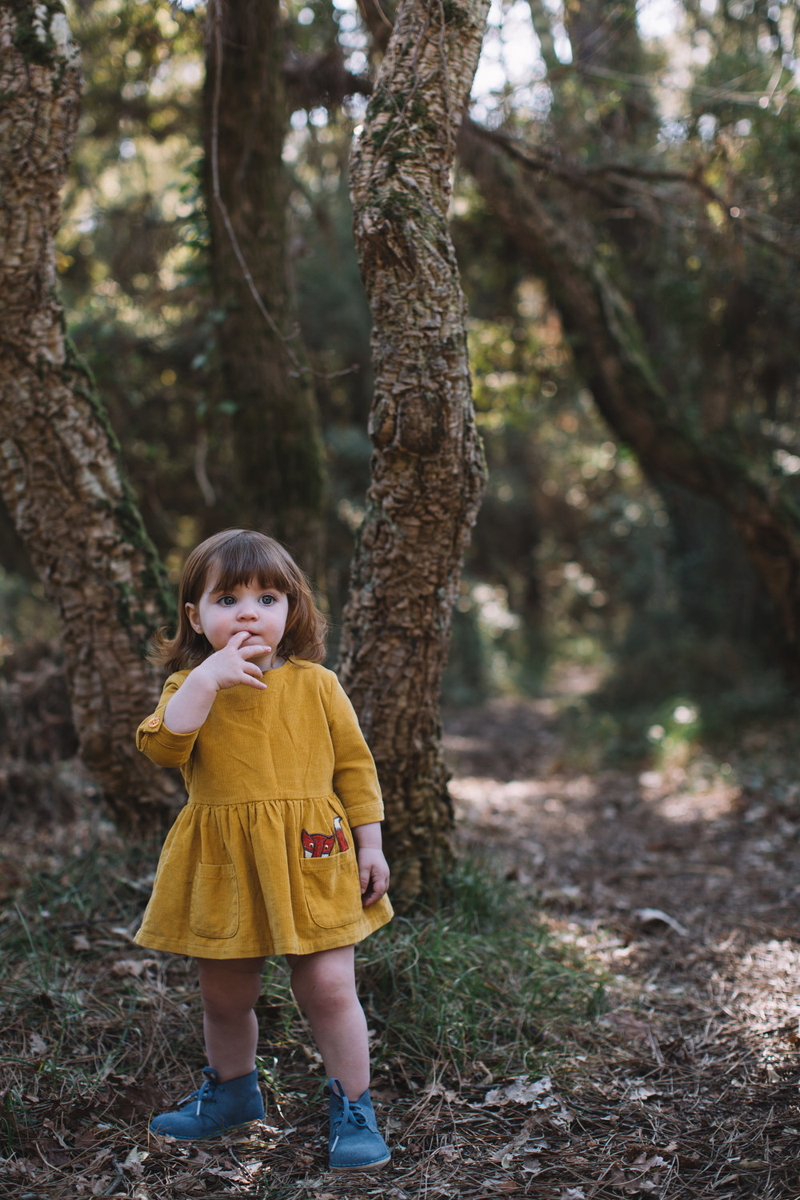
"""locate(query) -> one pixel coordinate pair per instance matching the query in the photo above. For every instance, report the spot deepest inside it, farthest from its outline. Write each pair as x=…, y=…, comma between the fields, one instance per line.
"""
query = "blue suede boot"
x=355, y=1144
x=213, y=1109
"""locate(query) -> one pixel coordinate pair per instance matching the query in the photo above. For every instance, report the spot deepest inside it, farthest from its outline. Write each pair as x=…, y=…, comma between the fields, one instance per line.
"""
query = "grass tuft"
x=101, y=1029
x=478, y=983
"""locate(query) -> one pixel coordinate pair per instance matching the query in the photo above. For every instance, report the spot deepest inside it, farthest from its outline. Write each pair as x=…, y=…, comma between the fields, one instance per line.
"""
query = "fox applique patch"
x=320, y=845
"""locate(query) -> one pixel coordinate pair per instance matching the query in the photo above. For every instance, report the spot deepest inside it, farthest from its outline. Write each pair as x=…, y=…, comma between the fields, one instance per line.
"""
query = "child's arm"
x=191, y=704
x=373, y=869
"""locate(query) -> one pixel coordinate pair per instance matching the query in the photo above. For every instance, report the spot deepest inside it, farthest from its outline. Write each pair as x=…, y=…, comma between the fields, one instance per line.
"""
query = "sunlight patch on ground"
x=675, y=797
x=698, y=806
x=765, y=993
x=511, y=807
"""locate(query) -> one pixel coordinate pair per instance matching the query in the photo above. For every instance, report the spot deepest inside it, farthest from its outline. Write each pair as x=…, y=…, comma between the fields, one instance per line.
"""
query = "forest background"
x=624, y=216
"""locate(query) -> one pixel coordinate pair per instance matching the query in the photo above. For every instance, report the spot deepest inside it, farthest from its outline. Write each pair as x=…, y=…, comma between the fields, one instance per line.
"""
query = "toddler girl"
x=278, y=850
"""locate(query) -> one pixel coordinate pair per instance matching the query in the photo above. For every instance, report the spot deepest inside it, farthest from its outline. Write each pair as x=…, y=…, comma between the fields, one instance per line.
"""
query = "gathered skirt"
x=267, y=877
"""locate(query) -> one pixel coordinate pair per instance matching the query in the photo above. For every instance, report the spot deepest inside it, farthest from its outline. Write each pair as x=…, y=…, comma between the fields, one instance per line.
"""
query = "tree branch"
x=611, y=352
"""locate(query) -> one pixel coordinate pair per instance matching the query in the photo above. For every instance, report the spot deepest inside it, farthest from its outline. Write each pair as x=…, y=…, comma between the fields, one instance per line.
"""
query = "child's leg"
x=230, y=988
x=325, y=988
x=229, y=1097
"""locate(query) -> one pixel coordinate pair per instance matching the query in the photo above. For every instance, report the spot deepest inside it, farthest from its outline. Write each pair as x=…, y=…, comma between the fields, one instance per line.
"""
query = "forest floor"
x=679, y=885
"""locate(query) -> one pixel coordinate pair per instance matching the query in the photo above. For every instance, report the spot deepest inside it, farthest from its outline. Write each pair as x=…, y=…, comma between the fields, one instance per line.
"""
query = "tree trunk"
x=427, y=468
x=279, y=474
x=60, y=474
x=611, y=353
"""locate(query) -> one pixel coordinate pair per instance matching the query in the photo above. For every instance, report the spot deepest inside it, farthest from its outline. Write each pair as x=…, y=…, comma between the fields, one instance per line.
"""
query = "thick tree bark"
x=611, y=353
x=279, y=479
x=60, y=474
x=427, y=468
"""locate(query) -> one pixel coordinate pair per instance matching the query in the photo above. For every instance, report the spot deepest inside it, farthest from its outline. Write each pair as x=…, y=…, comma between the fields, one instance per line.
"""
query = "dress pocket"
x=332, y=888
x=214, y=911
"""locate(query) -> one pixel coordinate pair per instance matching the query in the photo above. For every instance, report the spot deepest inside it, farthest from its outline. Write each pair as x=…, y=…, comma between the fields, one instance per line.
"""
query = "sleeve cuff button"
x=153, y=723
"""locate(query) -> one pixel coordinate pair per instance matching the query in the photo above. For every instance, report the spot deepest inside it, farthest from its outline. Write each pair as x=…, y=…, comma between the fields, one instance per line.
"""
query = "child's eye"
x=267, y=600
x=226, y=601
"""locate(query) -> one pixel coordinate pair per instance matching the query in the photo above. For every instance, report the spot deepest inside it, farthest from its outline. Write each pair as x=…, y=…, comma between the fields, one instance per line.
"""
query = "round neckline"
x=273, y=670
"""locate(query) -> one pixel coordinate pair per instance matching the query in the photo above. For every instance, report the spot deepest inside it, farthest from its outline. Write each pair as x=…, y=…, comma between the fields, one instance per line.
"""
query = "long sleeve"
x=355, y=779
x=159, y=743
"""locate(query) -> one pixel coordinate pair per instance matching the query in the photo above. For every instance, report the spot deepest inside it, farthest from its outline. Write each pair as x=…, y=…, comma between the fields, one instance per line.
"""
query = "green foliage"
x=476, y=980
x=33, y=35
x=684, y=201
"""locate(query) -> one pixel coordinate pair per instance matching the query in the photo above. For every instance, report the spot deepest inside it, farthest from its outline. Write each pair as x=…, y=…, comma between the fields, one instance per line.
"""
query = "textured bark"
x=278, y=448
x=427, y=467
x=610, y=351
x=60, y=474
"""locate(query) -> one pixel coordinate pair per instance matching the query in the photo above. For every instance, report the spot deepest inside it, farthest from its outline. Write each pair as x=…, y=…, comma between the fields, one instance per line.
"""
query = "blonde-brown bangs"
x=243, y=560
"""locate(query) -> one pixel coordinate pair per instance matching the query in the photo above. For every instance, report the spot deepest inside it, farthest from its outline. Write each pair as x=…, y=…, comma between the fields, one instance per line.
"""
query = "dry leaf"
x=132, y=966
x=651, y=916
x=522, y=1091
x=624, y=1022
x=134, y=1161
x=37, y=1046
x=640, y=1091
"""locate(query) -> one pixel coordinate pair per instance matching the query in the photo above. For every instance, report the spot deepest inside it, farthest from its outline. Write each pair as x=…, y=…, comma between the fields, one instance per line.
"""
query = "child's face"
x=261, y=612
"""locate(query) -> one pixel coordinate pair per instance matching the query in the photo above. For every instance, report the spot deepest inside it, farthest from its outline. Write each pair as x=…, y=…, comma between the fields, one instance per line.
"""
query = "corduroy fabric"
x=232, y=880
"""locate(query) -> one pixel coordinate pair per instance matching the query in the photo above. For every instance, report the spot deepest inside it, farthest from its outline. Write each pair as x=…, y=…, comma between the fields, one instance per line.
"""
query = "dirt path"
x=692, y=1088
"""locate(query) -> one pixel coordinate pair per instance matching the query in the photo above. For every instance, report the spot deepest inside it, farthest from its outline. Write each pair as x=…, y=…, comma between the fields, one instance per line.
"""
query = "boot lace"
x=205, y=1093
x=351, y=1114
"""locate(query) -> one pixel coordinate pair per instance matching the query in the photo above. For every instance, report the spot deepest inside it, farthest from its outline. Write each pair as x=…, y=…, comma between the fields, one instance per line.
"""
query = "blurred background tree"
x=645, y=158
x=276, y=478
x=634, y=202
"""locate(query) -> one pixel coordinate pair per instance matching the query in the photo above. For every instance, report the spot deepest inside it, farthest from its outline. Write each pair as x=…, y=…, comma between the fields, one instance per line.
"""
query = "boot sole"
x=381, y=1162
x=206, y=1137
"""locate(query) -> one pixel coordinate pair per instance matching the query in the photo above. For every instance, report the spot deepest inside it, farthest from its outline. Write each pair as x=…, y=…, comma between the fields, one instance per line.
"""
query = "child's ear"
x=194, y=620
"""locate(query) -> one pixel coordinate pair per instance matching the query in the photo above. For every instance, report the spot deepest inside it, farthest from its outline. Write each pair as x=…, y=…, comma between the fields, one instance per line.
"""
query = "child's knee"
x=228, y=993
x=324, y=979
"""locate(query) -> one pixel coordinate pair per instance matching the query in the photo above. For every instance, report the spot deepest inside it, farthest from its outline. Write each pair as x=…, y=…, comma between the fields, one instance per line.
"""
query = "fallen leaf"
x=522, y=1091
x=132, y=966
x=37, y=1045
x=134, y=1161
x=653, y=916
x=624, y=1022
x=86, y=1138
x=640, y=1091
x=448, y=1153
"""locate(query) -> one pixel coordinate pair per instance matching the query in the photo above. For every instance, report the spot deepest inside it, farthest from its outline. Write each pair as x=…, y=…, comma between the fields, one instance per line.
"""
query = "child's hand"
x=229, y=666
x=373, y=871
x=191, y=704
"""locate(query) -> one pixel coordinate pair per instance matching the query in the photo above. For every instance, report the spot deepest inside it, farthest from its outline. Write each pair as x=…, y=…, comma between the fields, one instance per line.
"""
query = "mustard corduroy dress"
x=261, y=860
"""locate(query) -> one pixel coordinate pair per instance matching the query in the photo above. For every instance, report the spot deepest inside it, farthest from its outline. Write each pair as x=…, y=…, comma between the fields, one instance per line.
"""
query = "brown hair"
x=234, y=557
